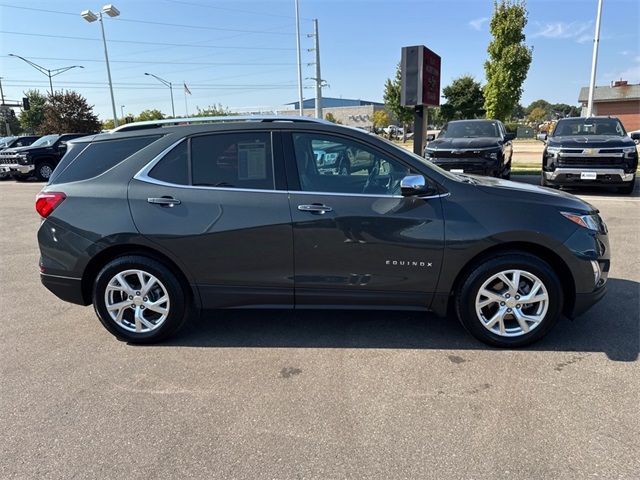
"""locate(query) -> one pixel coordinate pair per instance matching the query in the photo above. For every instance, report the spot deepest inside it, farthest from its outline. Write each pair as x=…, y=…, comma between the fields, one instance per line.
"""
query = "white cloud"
x=477, y=23
x=577, y=31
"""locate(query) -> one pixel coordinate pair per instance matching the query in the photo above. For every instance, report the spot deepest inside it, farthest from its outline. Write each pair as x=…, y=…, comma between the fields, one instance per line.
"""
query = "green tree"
x=543, y=104
x=464, y=99
x=434, y=117
x=380, y=119
x=509, y=58
x=562, y=110
x=392, y=88
x=32, y=118
x=8, y=117
x=214, y=110
x=537, y=116
x=518, y=112
x=68, y=112
x=147, y=115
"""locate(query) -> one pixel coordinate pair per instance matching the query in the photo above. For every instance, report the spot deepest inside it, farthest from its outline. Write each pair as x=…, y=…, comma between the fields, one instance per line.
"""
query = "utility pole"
x=6, y=120
x=594, y=60
x=318, y=78
x=301, y=108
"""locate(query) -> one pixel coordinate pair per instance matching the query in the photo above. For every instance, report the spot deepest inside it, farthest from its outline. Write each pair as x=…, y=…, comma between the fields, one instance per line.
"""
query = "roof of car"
x=474, y=120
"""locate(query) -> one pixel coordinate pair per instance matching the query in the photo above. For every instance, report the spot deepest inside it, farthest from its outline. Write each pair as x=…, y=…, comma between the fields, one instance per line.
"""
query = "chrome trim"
x=626, y=177
x=59, y=276
x=226, y=118
x=597, y=154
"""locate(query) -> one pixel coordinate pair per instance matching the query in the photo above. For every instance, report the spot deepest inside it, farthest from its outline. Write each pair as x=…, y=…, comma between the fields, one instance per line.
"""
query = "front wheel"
x=43, y=171
x=139, y=300
x=510, y=301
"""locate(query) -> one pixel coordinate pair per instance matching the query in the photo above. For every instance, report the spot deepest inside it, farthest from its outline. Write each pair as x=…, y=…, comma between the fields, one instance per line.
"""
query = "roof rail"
x=225, y=118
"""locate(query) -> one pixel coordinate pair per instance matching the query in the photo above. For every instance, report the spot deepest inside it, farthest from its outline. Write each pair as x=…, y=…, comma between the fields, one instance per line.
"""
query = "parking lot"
x=312, y=394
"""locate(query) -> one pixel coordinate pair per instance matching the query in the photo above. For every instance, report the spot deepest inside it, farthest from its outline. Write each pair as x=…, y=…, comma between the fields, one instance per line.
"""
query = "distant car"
x=635, y=136
x=38, y=159
x=393, y=131
x=481, y=147
x=14, y=142
x=589, y=151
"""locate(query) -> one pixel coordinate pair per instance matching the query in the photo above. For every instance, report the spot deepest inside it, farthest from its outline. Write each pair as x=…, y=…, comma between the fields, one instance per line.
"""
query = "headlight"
x=553, y=151
x=591, y=222
x=428, y=153
x=23, y=158
x=492, y=155
x=629, y=151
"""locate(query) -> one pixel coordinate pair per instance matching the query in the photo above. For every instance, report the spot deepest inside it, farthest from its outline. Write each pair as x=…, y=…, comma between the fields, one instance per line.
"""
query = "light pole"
x=594, y=60
x=46, y=71
x=168, y=84
x=122, y=111
x=91, y=17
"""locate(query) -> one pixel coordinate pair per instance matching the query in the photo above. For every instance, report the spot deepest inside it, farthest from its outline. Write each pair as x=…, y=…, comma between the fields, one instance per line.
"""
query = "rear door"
x=357, y=241
x=214, y=203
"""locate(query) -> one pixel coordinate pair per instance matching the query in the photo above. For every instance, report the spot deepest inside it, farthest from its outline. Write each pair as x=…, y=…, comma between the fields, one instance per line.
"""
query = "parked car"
x=14, y=142
x=481, y=147
x=151, y=223
x=38, y=159
x=593, y=152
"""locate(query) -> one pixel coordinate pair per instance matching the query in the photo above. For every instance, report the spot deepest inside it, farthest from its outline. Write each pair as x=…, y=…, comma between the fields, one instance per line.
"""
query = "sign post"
x=420, y=76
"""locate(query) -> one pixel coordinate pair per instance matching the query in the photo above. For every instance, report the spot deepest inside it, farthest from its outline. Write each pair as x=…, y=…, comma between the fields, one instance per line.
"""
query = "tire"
x=628, y=188
x=509, y=333
x=108, y=292
x=43, y=171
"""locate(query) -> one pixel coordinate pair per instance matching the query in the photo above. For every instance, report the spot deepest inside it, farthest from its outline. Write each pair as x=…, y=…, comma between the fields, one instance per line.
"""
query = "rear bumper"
x=604, y=176
x=65, y=288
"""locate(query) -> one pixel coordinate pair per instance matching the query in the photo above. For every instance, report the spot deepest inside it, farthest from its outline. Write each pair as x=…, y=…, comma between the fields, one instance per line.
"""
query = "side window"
x=238, y=160
x=173, y=168
x=96, y=158
x=338, y=165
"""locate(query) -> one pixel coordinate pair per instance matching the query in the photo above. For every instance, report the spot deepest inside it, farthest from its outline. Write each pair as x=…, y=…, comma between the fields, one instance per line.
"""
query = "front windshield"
x=45, y=141
x=472, y=129
x=6, y=141
x=588, y=126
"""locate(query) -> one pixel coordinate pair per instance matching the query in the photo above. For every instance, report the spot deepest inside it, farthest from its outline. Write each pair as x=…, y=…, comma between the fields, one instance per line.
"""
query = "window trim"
x=143, y=174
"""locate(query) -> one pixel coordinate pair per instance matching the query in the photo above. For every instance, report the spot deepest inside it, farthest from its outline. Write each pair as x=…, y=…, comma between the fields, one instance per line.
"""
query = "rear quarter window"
x=83, y=161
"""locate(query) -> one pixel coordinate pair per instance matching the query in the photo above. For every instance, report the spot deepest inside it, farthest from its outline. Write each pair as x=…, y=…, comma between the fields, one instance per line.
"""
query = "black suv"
x=593, y=151
x=154, y=221
x=38, y=159
x=481, y=147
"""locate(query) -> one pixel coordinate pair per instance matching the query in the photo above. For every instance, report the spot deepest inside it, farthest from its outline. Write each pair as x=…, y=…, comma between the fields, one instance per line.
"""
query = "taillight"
x=46, y=202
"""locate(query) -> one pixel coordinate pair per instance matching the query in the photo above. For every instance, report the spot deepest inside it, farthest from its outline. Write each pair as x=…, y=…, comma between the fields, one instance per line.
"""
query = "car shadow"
x=590, y=191
x=612, y=326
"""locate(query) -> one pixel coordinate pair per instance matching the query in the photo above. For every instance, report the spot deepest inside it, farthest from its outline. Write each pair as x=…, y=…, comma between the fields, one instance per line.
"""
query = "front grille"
x=458, y=154
x=566, y=161
x=5, y=160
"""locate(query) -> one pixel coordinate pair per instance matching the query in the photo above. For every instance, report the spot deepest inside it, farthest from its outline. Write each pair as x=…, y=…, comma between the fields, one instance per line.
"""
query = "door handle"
x=164, y=201
x=315, y=208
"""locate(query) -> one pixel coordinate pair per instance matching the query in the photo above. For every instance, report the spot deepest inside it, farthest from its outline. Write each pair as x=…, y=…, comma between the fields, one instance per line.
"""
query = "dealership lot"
x=277, y=394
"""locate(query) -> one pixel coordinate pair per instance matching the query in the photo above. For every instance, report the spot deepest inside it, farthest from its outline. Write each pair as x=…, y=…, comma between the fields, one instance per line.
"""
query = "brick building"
x=620, y=100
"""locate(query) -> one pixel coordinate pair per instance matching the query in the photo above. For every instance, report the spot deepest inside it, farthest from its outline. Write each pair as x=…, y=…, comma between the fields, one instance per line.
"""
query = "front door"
x=357, y=241
x=212, y=203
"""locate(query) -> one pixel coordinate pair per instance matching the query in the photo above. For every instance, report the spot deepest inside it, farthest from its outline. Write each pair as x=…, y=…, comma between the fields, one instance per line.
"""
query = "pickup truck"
x=38, y=159
x=589, y=152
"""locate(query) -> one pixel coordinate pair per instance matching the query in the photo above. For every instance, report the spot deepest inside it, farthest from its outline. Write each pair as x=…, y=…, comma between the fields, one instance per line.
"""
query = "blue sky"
x=242, y=53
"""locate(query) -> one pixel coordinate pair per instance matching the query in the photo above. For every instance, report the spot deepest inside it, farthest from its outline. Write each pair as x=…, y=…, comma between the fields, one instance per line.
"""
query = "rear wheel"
x=139, y=300
x=510, y=301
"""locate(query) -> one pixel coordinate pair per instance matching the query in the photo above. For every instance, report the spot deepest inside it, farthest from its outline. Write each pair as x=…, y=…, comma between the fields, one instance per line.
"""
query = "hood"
x=591, y=141
x=27, y=149
x=464, y=143
x=532, y=193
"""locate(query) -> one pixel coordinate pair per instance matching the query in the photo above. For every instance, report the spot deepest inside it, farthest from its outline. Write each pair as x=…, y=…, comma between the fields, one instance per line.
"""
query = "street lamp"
x=122, y=110
x=91, y=17
x=46, y=71
x=168, y=84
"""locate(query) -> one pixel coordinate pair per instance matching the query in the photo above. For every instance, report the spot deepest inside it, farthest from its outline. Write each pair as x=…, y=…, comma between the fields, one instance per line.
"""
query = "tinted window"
x=173, y=168
x=240, y=160
x=588, y=126
x=337, y=165
x=99, y=157
x=23, y=142
x=470, y=129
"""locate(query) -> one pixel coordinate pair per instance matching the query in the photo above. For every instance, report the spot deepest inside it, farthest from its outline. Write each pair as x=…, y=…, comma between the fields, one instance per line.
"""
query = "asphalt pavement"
x=313, y=394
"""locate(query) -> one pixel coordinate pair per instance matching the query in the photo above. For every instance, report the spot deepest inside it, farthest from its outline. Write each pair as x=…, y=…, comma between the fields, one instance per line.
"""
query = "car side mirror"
x=414, y=185
x=431, y=137
x=509, y=136
x=542, y=137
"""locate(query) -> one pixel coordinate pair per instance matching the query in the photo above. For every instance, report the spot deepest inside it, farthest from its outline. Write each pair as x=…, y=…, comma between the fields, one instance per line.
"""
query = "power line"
x=261, y=14
x=147, y=88
x=139, y=42
x=178, y=87
x=165, y=24
x=149, y=62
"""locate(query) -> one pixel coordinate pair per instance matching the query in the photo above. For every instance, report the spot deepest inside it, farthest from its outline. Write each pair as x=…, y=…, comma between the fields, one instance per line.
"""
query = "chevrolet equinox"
x=158, y=220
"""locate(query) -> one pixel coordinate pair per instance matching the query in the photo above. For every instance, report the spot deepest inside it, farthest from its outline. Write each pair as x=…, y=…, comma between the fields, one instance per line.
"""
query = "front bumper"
x=573, y=176
x=584, y=301
x=17, y=168
x=473, y=166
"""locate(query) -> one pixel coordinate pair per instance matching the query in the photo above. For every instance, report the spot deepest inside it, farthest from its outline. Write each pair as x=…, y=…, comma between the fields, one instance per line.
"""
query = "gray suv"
x=157, y=221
